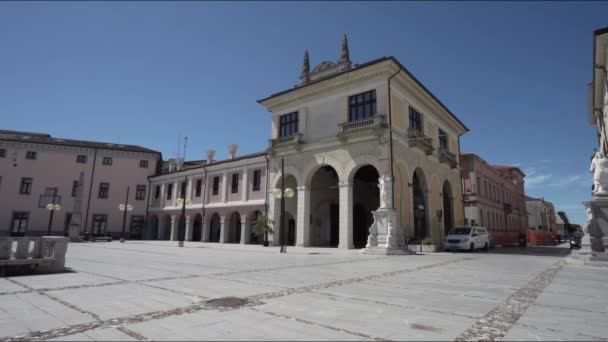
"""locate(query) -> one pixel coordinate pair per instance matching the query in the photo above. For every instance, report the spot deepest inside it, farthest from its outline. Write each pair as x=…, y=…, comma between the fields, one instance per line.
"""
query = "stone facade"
x=332, y=160
x=494, y=198
x=54, y=165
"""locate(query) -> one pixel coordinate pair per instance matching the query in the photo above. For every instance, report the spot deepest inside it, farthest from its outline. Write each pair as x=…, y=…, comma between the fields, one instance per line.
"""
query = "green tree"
x=567, y=224
x=261, y=228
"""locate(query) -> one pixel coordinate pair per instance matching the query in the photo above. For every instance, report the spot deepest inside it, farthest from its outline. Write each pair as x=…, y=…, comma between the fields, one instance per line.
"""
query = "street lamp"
x=52, y=207
x=182, y=220
x=282, y=193
x=124, y=208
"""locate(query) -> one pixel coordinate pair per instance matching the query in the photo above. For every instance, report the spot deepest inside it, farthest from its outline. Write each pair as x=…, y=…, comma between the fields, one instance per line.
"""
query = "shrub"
x=427, y=241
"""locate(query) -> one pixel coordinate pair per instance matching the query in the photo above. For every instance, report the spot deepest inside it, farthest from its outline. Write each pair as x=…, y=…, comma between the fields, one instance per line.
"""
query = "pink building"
x=222, y=197
x=494, y=198
x=35, y=168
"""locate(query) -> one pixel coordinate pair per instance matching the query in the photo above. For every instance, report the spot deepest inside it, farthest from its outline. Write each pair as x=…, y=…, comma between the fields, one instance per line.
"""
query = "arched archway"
x=153, y=228
x=291, y=209
x=215, y=227
x=366, y=198
x=448, y=207
x=181, y=228
x=233, y=235
x=197, y=228
x=254, y=239
x=167, y=227
x=419, y=196
x=324, y=205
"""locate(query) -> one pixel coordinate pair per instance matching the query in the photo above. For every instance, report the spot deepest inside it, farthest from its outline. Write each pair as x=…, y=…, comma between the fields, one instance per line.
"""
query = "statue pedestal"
x=385, y=236
x=596, y=230
x=75, y=223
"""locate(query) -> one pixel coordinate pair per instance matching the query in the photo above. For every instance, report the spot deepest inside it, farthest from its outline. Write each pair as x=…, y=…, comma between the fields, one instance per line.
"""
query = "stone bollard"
x=59, y=251
x=6, y=248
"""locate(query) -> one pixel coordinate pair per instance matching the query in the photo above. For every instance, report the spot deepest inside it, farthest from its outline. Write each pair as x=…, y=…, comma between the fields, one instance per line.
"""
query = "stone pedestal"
x=596, y=228
x=75, y=224
x=385, y=235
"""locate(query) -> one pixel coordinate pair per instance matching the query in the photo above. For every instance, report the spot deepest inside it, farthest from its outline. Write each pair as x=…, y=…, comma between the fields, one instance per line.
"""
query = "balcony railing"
x=375, y=124
x=295, y=139
x=418, y=139
x=448, y=157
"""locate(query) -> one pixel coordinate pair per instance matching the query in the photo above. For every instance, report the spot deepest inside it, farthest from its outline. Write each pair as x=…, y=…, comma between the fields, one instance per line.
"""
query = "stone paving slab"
x=214, y=287
x=105, y=334
x=244, y=324
x=123, y=300
x=8, y=286
x=378, y=321
x=24, y=312
x=54, y=281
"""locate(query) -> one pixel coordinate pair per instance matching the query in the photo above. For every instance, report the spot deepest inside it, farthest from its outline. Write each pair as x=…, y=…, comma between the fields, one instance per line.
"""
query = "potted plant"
x=261, y=228
x=426, y=245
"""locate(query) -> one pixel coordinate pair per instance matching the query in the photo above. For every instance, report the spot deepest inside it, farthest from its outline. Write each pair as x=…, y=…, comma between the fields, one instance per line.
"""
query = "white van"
x=464, y=238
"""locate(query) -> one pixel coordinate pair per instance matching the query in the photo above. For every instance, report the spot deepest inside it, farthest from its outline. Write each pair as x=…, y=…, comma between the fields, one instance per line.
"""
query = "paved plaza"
x=158, y=291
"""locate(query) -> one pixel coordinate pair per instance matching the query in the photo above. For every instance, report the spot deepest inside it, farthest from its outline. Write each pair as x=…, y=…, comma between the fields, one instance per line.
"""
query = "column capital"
x=344, y=184
x=302, y=188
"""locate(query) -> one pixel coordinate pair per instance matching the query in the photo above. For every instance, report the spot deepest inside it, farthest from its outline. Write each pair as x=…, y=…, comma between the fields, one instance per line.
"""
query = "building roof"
x=558, y=219
x=359, y=67
x=507, y=167
x=43, y=138
x=196, y=164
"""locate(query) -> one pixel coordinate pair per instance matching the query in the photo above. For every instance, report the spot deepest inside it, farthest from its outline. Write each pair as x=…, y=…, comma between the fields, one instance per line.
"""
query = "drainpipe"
x=460, y=173
x=390, y=133
x=204, y=195
x=266, y=195
x=86, y=219
x=148, y=207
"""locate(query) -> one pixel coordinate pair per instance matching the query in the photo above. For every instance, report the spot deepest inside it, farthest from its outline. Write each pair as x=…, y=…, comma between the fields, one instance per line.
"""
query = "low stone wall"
x=539, y=238
x=499, y=238
x=40, y=254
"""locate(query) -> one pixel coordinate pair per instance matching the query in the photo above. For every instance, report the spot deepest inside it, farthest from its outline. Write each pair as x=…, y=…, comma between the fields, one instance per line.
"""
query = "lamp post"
x=124, y=208
x=52, y=207
x=182, y=220
x=282, y=193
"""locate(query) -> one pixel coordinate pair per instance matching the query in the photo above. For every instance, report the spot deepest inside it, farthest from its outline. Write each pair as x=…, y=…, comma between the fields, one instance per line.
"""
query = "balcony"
x=448, y=157
x=421, y=141
x=291, y=141
x=375, y=125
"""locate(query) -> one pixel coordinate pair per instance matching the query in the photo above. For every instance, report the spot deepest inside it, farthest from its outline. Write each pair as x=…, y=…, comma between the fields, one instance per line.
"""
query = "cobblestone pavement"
x=153, y=290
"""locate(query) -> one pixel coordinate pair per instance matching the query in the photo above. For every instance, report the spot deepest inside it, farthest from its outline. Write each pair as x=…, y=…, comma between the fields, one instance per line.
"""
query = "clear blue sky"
x=143, y=73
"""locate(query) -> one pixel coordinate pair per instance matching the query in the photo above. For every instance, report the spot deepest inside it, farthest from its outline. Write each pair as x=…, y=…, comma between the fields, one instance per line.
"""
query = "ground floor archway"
x=448, y=207
x=197, y=228
x=324, y=208
x=233, y=235
x=215, y=227
x=167, y=227
x=366, y=199
x=153, y=228
x=420, y=207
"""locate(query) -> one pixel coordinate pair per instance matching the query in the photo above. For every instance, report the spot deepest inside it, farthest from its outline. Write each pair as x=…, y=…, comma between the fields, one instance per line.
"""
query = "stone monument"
x=385, y=235
x=76, y=220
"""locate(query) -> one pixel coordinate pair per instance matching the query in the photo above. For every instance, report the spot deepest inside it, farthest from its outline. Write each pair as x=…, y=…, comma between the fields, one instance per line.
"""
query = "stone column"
x=274, y=218
x=173, y=228
x=175, y=194
x=161, y=202
x=223, y=230
x=346, y=215
x=224, y=186
x=303, y=217
x=189, y=189
x=245, y=187
x=188, y=228
x=206, y=226
x=245, y=230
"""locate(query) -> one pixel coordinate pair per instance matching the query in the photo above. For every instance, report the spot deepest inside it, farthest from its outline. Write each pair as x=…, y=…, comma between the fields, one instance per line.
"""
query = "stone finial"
x=232, y=148
x=305, y=64
x=344, y=54
x=210, y=155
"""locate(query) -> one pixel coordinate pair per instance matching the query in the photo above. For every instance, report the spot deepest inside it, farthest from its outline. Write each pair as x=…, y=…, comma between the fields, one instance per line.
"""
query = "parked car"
x=576, y=240
x=467, y=238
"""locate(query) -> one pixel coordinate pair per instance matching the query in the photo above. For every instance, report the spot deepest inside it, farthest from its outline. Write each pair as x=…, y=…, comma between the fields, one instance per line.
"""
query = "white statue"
x=599, y=167
x=385, y=193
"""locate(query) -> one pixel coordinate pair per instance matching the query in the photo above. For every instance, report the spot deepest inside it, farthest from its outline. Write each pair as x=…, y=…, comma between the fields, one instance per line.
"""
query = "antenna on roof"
x=179, y=142
x=185, y=144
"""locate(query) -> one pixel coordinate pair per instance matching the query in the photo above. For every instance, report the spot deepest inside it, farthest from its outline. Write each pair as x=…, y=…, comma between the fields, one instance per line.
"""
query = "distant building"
x=561, y=226
x=494, y=198
x=223, y=198
x=541, y=221
x=35, y=167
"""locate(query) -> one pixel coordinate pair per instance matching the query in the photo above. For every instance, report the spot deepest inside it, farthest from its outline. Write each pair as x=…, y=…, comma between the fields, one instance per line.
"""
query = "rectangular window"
x=26, y=186
x=443, y=139
x=19, y=223
x=235, y=183
x=415, y=120
x=199, y=187
x=2, y=153
x=107, y=161
x=140, y=193
x=157, y=192
x=361, y=106
x=183, y=190
x=81, y=159
x=100, y=222
x=169, y=191
x=143, y=164
x=104, y=190
x=257, y=180
x=288, y=124
x=216, y=185
x=74, y=188
x=50, y=191
x=32, y=155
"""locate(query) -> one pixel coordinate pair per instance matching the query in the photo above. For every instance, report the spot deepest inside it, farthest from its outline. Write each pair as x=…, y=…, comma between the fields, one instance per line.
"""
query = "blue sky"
x=144, y=73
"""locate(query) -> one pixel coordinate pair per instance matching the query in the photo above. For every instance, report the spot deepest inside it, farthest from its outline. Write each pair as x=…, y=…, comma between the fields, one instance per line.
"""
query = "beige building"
x=345, y=126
